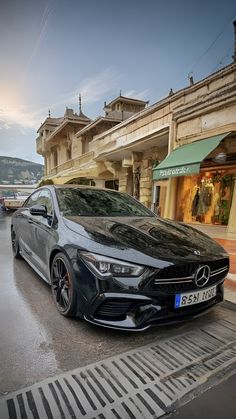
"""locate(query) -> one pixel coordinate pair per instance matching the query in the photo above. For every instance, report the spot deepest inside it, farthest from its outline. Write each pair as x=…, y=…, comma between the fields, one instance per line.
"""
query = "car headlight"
x=106, y=266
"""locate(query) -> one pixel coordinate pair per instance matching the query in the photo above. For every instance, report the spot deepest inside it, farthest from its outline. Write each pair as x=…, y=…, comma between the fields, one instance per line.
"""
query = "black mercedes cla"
x=112, y=262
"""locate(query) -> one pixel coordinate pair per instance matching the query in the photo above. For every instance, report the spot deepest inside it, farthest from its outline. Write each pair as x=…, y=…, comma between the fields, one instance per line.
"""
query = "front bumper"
x=137, y=306
x=139, y=312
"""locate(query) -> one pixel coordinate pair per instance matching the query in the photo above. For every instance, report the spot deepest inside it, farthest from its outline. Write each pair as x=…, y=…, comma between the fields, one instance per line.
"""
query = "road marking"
x=144, y=382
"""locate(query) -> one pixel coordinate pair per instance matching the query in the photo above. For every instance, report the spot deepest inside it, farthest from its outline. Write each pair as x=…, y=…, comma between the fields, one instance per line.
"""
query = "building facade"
x=177, y=156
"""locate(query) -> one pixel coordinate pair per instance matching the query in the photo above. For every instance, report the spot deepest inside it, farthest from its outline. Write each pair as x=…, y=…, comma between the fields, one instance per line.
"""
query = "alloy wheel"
x=15, y=245
x=13, y=241
x=61, y=284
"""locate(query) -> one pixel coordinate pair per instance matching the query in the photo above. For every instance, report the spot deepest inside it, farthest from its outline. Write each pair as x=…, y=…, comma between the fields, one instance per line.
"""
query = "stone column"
x=45, y=165
x=50, y=161
x=137, y=160
x=100, y=183
x=232, y=217
x=171, y=194
x=123, y=179
x=146, y=183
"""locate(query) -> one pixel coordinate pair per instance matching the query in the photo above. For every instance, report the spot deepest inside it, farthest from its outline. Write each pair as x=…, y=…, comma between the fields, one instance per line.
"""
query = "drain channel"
x=141, y=383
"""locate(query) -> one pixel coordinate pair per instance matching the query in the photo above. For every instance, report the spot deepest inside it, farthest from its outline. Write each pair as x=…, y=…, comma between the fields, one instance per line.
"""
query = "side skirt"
x=34, y=268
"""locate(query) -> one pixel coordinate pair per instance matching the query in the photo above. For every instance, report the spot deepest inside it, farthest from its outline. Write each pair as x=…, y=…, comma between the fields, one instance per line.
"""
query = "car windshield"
x=99, y=203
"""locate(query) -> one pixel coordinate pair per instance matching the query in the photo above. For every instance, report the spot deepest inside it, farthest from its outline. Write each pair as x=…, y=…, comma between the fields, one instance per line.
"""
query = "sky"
x=52, y=50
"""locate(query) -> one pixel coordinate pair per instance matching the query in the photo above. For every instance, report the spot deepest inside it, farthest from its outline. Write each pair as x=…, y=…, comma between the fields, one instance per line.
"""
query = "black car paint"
x=149, y=241
x=163, y=242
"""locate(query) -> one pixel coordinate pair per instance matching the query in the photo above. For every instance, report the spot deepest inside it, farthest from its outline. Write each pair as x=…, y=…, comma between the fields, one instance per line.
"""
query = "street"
x=38, y=344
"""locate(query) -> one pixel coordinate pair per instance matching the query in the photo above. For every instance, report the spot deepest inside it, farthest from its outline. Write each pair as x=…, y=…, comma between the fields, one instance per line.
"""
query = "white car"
x=13, y=203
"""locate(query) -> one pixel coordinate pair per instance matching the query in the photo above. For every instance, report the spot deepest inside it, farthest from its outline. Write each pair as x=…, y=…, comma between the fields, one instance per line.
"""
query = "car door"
x=25, y=227
x=45, y=232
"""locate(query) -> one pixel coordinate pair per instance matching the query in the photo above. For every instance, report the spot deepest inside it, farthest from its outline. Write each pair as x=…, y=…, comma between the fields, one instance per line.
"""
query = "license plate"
x=196, y=297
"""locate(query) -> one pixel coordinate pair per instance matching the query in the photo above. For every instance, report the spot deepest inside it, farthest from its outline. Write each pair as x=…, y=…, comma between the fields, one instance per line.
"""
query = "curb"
x=229, y=305
x=231, y=277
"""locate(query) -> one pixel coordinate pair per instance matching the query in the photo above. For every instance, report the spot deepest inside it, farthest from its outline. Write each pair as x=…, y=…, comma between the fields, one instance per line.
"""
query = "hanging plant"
x=216, y=178
x=226, y=181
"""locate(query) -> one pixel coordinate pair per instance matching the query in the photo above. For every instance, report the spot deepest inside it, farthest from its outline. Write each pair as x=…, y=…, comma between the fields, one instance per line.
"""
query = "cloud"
x=18, y=124
x=4, y=125
x=92, y=89
x=95, y=88
x=22, y=117
x=137, y=95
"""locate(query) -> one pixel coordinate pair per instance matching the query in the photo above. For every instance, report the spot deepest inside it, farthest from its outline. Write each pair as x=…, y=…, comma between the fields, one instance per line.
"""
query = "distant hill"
x=19, y=171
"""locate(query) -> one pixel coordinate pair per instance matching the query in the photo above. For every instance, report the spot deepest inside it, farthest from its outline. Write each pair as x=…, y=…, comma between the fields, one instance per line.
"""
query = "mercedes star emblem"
x=202, y=276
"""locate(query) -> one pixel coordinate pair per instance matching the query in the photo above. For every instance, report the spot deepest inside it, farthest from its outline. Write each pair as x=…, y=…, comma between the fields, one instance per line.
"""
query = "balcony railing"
x=70, y=164
x=64, y=166
x=85, y=158
x=53, y=171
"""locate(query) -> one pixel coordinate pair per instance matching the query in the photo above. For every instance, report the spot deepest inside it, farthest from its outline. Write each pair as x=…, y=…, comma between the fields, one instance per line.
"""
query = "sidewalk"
x=228, y=241
x=218, y=402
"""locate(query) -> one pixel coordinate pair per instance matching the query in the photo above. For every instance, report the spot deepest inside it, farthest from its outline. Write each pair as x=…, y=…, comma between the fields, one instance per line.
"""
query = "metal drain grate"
x=141, y=383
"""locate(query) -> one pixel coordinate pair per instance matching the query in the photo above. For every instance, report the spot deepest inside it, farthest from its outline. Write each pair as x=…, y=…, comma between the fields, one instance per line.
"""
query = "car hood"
x=133, y=238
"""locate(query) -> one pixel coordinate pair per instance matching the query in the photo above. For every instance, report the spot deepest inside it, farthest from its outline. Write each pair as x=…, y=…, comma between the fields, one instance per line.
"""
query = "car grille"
x=111, y=309
x=181, y=277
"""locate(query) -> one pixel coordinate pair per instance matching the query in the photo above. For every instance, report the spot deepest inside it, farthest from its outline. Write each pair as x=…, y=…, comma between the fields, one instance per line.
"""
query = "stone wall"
x=123, y=179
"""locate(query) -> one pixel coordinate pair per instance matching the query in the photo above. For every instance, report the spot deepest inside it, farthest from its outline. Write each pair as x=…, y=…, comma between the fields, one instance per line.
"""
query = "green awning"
x=186, y=160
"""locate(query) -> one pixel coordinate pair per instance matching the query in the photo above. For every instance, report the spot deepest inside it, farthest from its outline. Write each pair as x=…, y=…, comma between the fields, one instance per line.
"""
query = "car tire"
x=15, y=245
x=63, y=285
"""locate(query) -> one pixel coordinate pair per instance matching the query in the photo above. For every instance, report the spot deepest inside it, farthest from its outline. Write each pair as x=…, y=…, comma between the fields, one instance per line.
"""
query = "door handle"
x=30, y=222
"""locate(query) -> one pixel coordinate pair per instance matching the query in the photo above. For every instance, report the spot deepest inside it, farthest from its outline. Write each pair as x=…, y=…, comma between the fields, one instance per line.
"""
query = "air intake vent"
x=113, y=309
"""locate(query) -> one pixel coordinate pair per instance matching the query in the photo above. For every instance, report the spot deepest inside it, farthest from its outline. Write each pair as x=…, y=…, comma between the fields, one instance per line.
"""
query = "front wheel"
x=15, y=245
x=63, y=285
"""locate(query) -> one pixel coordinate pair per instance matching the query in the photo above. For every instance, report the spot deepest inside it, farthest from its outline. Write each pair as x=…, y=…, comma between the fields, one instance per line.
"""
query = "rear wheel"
x=63, y=285
x=15, y=244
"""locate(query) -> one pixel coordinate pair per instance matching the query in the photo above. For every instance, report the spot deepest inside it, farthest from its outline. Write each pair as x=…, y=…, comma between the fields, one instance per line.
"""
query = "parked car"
x=112, y=262
x=2, y=198
x=14, y=202
x=4, y=195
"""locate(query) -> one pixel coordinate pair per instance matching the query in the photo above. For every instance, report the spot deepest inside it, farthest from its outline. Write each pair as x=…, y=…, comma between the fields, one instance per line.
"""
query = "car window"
x=32, y=200
x=45, y=199
x=99, y=203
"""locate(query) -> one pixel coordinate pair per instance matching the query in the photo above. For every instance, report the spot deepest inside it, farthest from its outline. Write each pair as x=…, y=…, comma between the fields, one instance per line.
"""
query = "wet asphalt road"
x=36, y=342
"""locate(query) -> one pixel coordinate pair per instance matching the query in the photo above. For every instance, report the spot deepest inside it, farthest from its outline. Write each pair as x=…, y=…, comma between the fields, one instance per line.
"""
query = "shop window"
x=205, y=198
x=157, y=200
x=112, y=184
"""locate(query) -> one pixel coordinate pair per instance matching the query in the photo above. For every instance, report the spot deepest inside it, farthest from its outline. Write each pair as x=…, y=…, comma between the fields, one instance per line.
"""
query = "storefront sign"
x=175, y=171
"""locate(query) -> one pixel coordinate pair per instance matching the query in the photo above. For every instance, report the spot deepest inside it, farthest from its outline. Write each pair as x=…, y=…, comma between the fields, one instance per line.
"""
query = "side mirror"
x=38, y=210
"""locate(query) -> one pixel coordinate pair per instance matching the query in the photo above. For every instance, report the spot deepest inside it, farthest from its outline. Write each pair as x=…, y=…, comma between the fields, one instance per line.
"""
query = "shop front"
x=206, y=197
x=159, y=197
x=205, y=173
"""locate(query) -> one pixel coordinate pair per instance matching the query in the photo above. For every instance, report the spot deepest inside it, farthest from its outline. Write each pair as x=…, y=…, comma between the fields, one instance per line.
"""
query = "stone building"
x=65, y=143
x=177, y=156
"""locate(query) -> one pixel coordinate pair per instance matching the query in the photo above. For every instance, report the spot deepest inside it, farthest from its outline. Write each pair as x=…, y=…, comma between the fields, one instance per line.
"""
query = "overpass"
x=18, y=188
